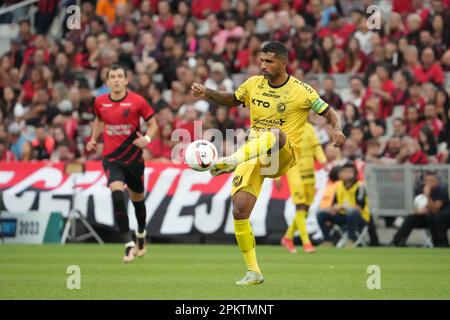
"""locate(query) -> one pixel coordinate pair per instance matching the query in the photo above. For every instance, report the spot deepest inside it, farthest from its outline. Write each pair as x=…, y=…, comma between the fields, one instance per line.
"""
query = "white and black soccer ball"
x=420, y=201
x=200, y=155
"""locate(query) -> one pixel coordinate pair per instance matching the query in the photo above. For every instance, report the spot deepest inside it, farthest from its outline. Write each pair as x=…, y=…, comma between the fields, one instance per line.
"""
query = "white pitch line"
x=17, y=6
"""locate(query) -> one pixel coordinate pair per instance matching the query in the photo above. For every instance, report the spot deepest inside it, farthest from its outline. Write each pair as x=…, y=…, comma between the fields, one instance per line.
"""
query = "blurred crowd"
x=387, y=81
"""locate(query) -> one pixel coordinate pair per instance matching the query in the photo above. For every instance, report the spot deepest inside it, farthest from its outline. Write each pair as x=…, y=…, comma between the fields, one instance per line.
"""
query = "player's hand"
x=338, y=138
x=91, y=145
x=198, y=90
x=277, y=183
x=426, y=190
x=140, y=141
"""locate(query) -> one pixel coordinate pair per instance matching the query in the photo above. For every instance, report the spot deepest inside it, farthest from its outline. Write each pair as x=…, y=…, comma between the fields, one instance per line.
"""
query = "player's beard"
x=271, y=76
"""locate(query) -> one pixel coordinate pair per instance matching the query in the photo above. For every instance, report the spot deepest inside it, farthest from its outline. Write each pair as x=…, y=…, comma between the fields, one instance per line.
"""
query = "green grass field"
x=210, y=271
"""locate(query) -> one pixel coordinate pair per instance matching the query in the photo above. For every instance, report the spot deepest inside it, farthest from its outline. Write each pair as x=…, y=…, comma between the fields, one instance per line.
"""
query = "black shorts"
x=132, y=174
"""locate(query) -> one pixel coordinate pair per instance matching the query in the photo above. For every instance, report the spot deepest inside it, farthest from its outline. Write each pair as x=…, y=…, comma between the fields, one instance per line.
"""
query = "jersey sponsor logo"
x=260, y=103
x=118, y=129
x=281, y=107
x=269, y=122
x=304, y=85
x=107, y=105
x=270, y=95
x=237, y=180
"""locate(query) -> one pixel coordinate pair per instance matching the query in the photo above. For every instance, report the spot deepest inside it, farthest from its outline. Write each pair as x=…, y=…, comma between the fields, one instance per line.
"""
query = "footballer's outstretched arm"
x=335, y=121
x=220, y=97
x=96, y=130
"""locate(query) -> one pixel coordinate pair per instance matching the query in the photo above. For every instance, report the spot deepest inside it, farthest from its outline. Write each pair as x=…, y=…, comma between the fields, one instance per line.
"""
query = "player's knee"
x=240, y=211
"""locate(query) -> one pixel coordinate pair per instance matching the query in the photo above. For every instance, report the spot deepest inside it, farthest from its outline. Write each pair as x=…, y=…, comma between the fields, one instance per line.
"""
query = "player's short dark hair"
x=280, y=50
x=116, y=66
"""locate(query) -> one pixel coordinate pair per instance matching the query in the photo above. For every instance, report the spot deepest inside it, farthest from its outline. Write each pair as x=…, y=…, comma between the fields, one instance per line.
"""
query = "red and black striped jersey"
x=122, y=122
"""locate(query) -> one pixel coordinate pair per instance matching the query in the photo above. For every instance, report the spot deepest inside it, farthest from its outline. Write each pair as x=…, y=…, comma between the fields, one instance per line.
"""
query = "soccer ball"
x=420, y=201
x=200, y=155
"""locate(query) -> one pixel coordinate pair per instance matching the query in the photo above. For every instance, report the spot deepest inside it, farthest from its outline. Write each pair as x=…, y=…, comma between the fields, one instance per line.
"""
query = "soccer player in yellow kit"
x=302, y=185
x=279, y=106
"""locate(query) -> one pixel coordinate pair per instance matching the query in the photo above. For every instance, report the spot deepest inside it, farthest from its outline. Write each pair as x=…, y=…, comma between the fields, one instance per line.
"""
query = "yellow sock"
x=291, y=230
x=300, y=222
x=255, y=147
x=246, y=242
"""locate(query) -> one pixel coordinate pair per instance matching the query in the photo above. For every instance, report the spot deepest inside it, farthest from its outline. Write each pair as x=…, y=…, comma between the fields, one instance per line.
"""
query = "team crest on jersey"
x=237, y=180
x=281, y=107
x=126, y=113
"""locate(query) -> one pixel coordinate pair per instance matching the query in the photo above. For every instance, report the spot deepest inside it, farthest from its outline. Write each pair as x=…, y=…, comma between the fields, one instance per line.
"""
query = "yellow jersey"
x=311, y=150
x=285, y=106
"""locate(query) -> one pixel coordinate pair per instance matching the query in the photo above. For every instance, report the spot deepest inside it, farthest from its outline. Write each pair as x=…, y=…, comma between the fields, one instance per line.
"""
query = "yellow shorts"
x=301, y=192
x=249, y=176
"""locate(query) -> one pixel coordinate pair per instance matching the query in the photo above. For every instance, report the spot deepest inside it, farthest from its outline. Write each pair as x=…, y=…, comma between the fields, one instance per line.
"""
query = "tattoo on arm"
x=222, y=97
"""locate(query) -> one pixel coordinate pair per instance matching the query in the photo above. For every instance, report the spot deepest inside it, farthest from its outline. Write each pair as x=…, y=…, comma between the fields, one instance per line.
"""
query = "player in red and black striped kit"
x=118, y=115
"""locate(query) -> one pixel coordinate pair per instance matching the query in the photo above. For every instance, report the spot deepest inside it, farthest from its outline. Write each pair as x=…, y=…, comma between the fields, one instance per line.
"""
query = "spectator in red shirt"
x=414, y=153
x=415, y=97
x=326, y=49
x=387, y=85
x=403, y=6
x=202, y=8
x=412, y=121
x=402, y=81
x=5, y=154
x=307, y=54
x=432, y=120
x=249, y=53
x=160, y=148
x=379, y=101
x=429, y=70
x=339, y=30
x=354, y=57
x=394, y=28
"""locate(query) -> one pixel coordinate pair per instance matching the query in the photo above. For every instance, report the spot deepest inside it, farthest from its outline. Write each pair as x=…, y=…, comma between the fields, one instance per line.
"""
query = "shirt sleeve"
x=242, y=93
x=146, y=110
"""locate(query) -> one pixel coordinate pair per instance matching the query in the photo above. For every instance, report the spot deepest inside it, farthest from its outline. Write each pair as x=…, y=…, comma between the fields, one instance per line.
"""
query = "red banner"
x=179, y=201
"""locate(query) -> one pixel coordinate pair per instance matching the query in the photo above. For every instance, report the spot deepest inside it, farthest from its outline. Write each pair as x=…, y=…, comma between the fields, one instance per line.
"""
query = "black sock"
x=141, y=213
x=120, y=215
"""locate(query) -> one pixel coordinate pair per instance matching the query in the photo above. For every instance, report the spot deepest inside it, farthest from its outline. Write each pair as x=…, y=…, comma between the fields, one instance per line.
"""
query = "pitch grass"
x=210, y=271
